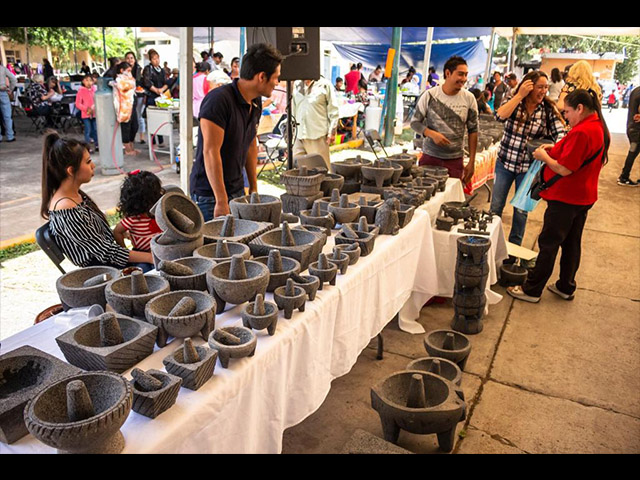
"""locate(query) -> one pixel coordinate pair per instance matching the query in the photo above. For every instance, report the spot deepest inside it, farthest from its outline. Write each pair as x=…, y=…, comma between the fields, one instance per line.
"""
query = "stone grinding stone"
x=81, y=346
x=97, y=280
x=110, y=333
x=186, y=306
x=196, y=280
x=181, y=221
x=189, y=352
x=153, y=403
x=362, y=442
x=73, y=293
x=243, y=230
x=79, y=405
x=25, y=372
x=193, y=375
x=174, y=268
x=225, y=352
x=144, y=381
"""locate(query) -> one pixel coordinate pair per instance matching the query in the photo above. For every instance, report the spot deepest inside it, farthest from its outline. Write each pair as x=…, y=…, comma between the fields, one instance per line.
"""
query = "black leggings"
x=130, y=128
x=634, y=149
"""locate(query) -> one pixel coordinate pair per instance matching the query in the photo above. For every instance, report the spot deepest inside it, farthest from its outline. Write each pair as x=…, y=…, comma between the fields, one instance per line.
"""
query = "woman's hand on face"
x=525, y=89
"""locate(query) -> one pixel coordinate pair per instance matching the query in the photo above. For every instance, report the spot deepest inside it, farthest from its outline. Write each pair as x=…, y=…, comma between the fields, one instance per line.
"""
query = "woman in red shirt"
x=570, y=198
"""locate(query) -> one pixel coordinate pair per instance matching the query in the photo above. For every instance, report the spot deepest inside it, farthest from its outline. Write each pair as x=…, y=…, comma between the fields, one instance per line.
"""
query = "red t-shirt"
x=582, y=142
x=141, y=229
x=351, y=79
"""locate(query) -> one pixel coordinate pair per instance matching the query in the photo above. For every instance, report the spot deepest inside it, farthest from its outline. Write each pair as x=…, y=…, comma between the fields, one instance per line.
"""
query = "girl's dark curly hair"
x=138, y=193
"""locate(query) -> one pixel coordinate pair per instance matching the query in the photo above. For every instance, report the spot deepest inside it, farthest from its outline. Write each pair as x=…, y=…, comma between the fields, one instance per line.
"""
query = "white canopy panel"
x=587, y=31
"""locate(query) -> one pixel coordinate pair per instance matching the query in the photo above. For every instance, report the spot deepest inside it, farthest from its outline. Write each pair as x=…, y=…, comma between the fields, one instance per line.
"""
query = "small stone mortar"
x=315, y=217
x=438, y=366
x=347, y=235
x=369, y=208
x=233, y=342
x=178, y=217
x=199, y=267
x=351, y=249
x=24, y=372
x=325, y=270
x=233, y=229
x=340, y=259
x=309, y=283
x=74, y=293
x=363, y=226
x=194, y=365
x=174, y=250
x=108, y=342
x=331, y=181
x=129, y=295
x=181, y=314
x=260, y=314
x=290, y=297
x=152, y=400
x=223, y=250
x=448, y=344
x=237, y=281
x=82, y=413
x=405, y=214
x=293, y=243
x=256, y=207
x=280, y=268
x=299, y=183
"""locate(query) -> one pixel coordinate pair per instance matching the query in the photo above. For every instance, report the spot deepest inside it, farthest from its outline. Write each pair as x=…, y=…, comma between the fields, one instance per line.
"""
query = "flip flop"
x=518, y=293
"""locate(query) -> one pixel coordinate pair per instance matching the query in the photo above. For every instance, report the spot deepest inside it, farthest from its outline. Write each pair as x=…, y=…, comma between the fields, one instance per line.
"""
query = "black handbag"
x=538, y=184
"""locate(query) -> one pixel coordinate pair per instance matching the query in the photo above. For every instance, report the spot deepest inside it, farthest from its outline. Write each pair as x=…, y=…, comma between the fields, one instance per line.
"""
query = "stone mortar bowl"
x=82, y=346
x=325, y=275
x=243, y=230
x=373, y=229
x=512, y=275
x=321, y=231
x=405, y=214
x=259, y=322
x=236, y=291
x=235, y=248
x=366, y=241
x=473, y=246
x=301, y=185
x=278, y=279
x=397, y=172
x=369, y=209
x=342, y=262
x=47, y=419
x=201, y=321
x=331, y=181
x=73, y=294
x=405, y=160
x=347, y=214
x=306, y=243
x=310, y=285
x=184, y=205
x=471, y=274
x=197, y=281
x=354, y=255
x=225, y=352
x=442, y=407
x=119, y=296
x=173, y=251
x=193, y=375
x=458, y=353
x=153, y=403
x=351, y=168
x=326, y=221
x=456, y=210
x=24, y=372
x=429, y=185
x=290, y=303
x=446, y=368
x=377, y=174
x=444, y=223
x=268, y=210
x=441, y=179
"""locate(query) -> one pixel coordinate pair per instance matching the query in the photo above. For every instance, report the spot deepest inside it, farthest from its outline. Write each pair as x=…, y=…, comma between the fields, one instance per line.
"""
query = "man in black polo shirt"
x=229, y=117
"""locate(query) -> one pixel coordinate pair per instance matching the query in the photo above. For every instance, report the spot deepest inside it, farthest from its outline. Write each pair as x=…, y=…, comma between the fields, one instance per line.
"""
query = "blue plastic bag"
x=522, y=200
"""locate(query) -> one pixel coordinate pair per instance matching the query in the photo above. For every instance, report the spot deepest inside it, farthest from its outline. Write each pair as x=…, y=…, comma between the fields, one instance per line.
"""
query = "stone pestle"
x=258, y=306
x=315, y=210
x=227, y=338
x=290, y=290
x=255, y=198
x=435, y=367
x=181, y=221
x=79, y=404
x=287, y=239
x=144, y=381
x=222, y=249
x=363, y=225
x=303, y=171
x=174, y=268
x=335, y=195
x=97, y=280
x=416, y=397
x=449, y=343
x=274, y=262
x=362, y=201
x=323, y=263
x=186, y=306
x=238, y=270
x=138, y=284
x=228, y=226
x=298, y=279
x=344, y=201
x=189, y=352
x=349, y=232
x=336, y=254
x=110, y=333
x=418, y=182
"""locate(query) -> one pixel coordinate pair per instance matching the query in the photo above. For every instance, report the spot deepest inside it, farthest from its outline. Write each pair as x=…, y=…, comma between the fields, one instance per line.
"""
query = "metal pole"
x=26, y=42
x=490, y=55
x=186, y=108
x=427, y=59
x=243, y=41
x=392, y=88
x=212, y=40
x=512, y=56
x=75, y=53
x=289, y=126
x=104, y=48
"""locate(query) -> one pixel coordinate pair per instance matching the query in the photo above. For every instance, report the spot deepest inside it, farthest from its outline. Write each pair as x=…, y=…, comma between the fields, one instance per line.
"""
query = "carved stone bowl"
x=74, y=294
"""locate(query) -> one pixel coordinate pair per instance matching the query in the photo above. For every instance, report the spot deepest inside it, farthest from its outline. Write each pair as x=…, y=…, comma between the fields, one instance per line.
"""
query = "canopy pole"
x=186, y=108
x=512, y=55
x=104, y=50
x=289, y=125
x=492, y=43
x=75, y=53
x=427, y=59
x=243, y=41
x=391, y=96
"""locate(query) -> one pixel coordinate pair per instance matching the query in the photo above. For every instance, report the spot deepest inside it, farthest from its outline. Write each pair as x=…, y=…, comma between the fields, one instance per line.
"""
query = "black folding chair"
x=49, y=246
x=373, y=136
x=38, y=121
x=275, y=144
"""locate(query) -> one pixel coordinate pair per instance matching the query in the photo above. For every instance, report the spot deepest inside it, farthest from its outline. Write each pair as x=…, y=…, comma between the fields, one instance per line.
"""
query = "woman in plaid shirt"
x=527, y=116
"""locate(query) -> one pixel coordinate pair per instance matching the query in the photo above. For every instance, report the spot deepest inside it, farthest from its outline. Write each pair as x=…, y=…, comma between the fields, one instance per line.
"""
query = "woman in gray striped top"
x=75, y=221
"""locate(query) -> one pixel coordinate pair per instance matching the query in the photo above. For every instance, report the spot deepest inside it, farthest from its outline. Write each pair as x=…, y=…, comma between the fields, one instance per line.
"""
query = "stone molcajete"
x=300, y=183
x=260, y=314
x=344, y=211
x=233, y=342
x=365, y=241
x=368, y=208
x=363, y=226
x=85, y=286
x=309, y=283
x=315, y=217
x=341, y=260
x=178, y=217
x=187, y=273
x=387, y=218
x=380, y=173
x=24, y=372
x=290, y=297
x=280, y=268
x=82, y=413
x=162, y=249
x=194, y=365
x=351, y=170
x=108, y=342
x=256, y=207
x=234, y=230
x=330, y=182
x=237, y=281
x=438, y=366
x=448, y=344
x=154, y=391
x=351, y=249
x=129, y=295
x=223, y=250
x=421, y=403
x=300, y=245
x=181, y=314
x=325, y=270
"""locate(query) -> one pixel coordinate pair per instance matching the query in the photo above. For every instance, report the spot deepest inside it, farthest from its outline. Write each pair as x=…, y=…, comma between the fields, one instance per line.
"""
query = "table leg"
x=380, y=347
x=354, y=130
x=486, y=185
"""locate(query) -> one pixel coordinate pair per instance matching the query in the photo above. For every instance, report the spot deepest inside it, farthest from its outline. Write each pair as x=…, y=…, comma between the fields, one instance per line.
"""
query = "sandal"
x=517, y=292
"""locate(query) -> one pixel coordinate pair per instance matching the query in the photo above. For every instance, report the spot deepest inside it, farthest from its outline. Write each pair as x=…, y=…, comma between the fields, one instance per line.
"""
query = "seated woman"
x=76, y=223
x=39, y=96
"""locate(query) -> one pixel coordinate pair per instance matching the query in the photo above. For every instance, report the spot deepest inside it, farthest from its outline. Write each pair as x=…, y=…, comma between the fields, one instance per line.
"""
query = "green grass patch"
x=17, y=251
x=271, y=177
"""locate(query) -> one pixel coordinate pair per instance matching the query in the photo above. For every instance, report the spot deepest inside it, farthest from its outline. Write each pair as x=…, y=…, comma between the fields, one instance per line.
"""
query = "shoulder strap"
x=557, y=176
x=56, y=204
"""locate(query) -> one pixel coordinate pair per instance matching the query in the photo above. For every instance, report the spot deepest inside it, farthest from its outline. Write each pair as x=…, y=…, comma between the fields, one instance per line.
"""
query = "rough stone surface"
x=295, y=204
x=178, y=217
x=236, y=292
x=362, y=442
x=246, y=349
x=325, y=270
x=260, y=314
x=448, y=344
x=281, y=270
x=121, y=297
x=193, y=375
x=153, y=403
x=365, y=241
x=196, y=280
x=306, y=244
x=211, y=251
x=290, y=297
x=173, y=251
x=73, y=293
x=243, y=230
x=259, y=208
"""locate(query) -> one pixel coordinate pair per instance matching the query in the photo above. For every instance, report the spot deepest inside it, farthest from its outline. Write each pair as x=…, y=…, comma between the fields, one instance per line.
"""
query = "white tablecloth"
x=247, y=407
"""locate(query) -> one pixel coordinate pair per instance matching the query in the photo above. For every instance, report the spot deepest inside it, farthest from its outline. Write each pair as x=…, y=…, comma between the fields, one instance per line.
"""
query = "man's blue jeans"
x=501, y=186
x=208, y=204
x=5, y=110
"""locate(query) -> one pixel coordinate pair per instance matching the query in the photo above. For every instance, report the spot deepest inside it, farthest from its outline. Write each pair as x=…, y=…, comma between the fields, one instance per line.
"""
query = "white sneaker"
x=552, y=288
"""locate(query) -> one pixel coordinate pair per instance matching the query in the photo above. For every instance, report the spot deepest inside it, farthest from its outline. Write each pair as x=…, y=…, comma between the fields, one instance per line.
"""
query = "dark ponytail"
x=590, y=101
x=58, y=154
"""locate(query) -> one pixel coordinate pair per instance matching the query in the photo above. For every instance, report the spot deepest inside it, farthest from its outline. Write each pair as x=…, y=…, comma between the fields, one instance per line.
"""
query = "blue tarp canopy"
x=371, y=55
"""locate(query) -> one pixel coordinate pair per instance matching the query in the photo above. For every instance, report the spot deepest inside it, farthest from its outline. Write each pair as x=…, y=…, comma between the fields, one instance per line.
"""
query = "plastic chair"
x=49, y=246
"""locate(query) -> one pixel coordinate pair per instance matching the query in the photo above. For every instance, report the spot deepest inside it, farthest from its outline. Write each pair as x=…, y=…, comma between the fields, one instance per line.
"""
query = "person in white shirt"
x=315, y=108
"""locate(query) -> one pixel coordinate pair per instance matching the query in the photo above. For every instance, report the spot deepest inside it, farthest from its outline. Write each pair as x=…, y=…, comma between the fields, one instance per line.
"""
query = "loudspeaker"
x=299, y=45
